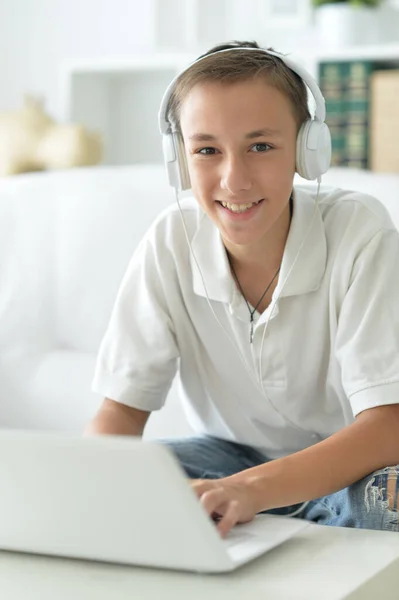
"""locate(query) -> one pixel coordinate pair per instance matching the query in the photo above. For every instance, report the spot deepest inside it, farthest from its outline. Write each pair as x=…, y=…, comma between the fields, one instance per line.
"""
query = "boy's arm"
x=115, y=418
x=370, y=443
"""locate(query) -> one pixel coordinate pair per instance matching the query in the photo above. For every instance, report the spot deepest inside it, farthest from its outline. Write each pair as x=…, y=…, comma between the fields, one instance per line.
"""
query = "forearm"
x=116, y=419
x=110, y=424
x=361, y=448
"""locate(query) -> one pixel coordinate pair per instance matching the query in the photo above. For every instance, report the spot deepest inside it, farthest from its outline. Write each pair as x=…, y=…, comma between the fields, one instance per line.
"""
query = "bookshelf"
x=380, y=52
x=121, y=98
x=360, y=131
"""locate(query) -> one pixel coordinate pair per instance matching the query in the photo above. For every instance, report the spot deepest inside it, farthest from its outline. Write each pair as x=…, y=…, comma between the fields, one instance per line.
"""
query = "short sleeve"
x=138, y=355
x=367, y=341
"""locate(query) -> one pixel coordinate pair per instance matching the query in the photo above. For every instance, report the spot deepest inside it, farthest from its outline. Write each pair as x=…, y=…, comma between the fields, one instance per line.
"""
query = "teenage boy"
x=281, y=315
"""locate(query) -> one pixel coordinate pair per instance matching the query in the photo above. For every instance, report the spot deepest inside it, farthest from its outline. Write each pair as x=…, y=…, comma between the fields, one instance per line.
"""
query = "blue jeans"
x=371, y=503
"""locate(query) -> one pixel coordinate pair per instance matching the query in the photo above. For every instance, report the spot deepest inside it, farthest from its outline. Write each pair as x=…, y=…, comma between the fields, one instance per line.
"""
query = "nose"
x=235, y=175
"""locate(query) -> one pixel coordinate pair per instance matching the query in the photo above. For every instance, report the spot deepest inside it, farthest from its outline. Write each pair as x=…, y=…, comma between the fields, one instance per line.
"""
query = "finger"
x=200, y=486
x=229, y=519
x=214, y=501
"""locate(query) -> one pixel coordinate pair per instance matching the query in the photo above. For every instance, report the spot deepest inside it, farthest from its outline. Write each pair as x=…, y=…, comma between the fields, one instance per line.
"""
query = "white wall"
x=38, y=36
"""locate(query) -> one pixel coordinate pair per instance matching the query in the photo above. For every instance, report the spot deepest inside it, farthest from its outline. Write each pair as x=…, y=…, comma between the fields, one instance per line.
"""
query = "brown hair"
x=231, y=67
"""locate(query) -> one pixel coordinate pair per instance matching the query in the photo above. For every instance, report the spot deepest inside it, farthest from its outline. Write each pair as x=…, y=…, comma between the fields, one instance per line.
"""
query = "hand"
x=229, y=503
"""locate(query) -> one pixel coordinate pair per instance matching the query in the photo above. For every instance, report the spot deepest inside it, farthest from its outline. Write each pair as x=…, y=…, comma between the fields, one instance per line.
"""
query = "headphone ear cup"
x=185, y=183
x=313, y=149
x=175, y=160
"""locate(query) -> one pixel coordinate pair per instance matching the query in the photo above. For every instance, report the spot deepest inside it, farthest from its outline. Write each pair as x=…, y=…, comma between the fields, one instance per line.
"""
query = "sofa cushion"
x=26, y=267
x=102, y=215
x=66, y=239
x=58, y=391
x=53, y=391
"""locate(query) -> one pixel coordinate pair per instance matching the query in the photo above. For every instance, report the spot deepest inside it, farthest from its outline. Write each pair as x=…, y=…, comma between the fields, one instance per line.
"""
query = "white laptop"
x=117, y=499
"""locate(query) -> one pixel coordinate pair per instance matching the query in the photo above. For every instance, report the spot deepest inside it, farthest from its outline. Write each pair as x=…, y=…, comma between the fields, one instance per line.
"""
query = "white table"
x=319, y=563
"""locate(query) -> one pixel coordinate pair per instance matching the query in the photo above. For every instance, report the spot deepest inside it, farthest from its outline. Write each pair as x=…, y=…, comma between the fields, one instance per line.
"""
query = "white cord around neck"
x=280, y=288
x=274, y=301
x=259, y=383
x=250, y=373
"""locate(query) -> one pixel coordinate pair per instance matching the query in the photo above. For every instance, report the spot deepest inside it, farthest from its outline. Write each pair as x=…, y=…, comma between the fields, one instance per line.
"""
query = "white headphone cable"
x=207, y=297
x=303, y=505
x=274, y=303
x=275, y=300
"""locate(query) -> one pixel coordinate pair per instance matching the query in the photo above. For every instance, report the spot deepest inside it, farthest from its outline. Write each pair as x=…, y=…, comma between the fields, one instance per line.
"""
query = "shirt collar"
x=300, y=273
x=305, y=254
x=210, y=254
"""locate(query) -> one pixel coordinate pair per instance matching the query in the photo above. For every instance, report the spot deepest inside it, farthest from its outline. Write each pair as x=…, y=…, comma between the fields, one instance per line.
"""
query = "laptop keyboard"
x=235, y=536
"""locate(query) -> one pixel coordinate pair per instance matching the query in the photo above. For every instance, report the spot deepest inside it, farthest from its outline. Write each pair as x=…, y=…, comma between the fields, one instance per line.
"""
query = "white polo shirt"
x=331, y=348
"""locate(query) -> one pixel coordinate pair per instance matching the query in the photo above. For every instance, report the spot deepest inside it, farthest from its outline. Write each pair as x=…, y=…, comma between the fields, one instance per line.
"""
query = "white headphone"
x=313, y=147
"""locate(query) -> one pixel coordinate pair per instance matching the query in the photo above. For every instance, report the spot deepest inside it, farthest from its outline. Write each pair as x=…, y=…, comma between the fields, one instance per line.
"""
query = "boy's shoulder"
x=346, y=207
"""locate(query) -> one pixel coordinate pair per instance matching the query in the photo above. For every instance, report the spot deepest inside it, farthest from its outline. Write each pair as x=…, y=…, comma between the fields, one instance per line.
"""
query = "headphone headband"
x=313, y=144
x=320, y=112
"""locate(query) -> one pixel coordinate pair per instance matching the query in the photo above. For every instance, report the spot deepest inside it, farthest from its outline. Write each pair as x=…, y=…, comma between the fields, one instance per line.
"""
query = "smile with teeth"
x=239, y=208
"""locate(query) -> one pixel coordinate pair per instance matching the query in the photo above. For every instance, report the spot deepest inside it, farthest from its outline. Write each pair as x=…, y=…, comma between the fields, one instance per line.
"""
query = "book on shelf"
x=384, y=130
x=357, y=104
x=331, y=81
x=346, y=86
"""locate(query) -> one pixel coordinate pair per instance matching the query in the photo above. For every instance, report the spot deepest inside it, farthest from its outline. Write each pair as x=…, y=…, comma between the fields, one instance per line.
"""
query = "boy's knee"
x=381, y=499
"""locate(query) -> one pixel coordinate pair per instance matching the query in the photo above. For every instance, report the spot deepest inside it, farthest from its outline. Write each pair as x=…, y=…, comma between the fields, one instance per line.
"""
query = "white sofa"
x=65, y=241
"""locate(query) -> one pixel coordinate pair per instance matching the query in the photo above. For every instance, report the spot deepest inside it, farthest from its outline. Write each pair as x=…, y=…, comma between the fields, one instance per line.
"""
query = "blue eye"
x=261, y=147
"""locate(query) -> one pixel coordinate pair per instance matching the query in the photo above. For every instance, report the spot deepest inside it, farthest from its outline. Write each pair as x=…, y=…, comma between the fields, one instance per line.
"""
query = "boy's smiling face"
x=240, y=141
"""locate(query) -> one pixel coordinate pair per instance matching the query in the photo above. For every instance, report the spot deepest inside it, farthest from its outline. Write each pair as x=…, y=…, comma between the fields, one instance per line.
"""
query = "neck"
x=264, y=254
